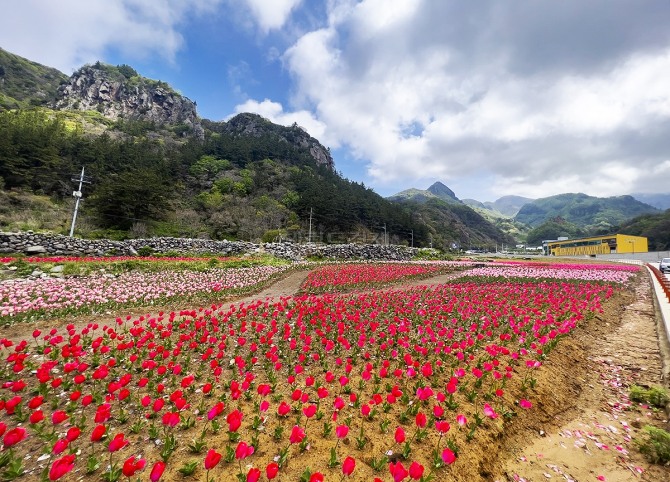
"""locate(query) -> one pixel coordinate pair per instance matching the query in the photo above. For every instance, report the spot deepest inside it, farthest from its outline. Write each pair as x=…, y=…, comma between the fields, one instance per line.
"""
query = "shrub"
x=655, y=444
x=655, y=396
x=145, y=251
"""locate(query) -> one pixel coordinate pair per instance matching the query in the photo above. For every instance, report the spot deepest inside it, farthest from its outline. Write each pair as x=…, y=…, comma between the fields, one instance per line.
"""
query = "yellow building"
x=610, y=244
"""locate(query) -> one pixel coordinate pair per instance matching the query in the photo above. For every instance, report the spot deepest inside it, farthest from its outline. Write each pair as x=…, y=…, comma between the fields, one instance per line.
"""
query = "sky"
x=492, y=98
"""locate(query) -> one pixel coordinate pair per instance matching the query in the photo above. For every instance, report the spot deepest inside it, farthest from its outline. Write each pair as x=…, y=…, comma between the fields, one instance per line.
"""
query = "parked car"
x=664, y=265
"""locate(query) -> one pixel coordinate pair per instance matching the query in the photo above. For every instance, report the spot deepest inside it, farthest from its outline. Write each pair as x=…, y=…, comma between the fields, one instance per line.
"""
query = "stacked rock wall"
x=57, y=245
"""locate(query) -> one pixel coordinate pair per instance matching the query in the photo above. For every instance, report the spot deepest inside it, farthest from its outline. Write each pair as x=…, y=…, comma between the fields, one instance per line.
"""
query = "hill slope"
x=591, y=213
x=24, y=83
x=656, y=227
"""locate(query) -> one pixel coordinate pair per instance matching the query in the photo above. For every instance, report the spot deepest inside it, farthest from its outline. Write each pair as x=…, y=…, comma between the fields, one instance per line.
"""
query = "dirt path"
x=592, y=440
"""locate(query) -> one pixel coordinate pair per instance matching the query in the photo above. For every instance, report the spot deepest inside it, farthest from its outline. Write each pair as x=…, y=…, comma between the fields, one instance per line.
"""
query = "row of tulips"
x=606, y=273
x=370, y=275
x=385, y=385
x=31, y=297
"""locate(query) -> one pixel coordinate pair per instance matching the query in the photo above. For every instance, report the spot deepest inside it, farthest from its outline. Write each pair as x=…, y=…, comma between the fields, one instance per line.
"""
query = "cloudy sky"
x=524, y=97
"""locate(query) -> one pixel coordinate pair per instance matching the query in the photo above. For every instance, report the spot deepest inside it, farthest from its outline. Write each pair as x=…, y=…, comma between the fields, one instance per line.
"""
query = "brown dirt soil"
x=581, y=425
x=586, y=424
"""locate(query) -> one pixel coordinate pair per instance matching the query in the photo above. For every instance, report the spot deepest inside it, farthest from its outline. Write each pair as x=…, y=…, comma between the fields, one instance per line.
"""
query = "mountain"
x=24, y=83
x=157, y=169
x=443, y=192
x=455, y=225
x=508, y=205
x=658, y=200
x=435, y=191
x=121, y=93
x=591, y=213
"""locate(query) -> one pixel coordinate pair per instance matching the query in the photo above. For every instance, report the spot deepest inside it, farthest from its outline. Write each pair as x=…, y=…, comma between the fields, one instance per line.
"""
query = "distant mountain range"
x=575, y=213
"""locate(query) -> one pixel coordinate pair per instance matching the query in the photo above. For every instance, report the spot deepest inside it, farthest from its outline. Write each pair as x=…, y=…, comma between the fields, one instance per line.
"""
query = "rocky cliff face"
x=254, y=125
x=120, y=95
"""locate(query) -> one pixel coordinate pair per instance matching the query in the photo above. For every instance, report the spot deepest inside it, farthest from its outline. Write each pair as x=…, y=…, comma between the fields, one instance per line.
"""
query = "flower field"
x=24, y=298
x=371, y=275
x=390, y=385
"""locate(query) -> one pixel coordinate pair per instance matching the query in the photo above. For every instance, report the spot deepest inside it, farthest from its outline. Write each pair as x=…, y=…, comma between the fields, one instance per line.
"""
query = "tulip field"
x=395, y=384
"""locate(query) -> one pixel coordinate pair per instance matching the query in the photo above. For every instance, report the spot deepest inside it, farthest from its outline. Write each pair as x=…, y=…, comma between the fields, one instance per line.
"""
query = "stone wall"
x=33, y=244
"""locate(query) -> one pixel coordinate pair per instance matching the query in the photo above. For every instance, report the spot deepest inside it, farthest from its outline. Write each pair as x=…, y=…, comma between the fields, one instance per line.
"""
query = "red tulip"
x=243, y=450
x=348, y=466
x=73, y=434
x=448, y=457
x=525, y=403
x=297, y=434
x=309, y=411
x=61, y=466
x=60, y=446
x=341, y=431
x=234, y=420
x=98, y=432
x=316, y=477
x=36, y=417
x=157, y=471
x=117, y=443
x=215, y=411
x=421, y=420
x=398, y=471
x=103, y=413
x=416, y=470
x=442, y=426
x=171, y=419
x=132, y=465
x=58, y=416
x=399, y=435
x=272, y=470
x=254, y=475
x=283, y=409
x=212, y=459
x=14, y=436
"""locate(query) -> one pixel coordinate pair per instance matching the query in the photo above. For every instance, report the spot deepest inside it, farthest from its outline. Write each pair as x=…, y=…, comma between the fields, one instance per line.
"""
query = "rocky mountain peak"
x=442, y=191
x=120, y=93
x=254, y=125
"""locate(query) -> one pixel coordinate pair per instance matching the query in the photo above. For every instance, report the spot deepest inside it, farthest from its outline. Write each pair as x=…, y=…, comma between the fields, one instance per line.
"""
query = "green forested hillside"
x=590, y=213
x=656, y=227
x=225, y=186
x=24, y=83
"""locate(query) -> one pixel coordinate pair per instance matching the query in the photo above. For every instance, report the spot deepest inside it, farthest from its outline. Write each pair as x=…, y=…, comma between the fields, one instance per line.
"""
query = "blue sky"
x=492, y=98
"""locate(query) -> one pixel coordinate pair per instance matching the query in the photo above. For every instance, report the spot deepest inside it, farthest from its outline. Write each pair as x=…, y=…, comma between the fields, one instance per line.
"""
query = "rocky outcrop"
x=107, y=90
x=254, y=125
x=56, y=245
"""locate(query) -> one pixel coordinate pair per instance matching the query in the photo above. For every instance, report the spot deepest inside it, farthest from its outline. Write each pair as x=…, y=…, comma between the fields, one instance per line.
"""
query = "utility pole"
x=384, y=234
x=309, y=238
x=77, y=196
x=412, y=238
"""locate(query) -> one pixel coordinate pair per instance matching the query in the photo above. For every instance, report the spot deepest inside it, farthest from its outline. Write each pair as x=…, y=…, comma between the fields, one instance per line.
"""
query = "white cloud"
x=69, y=33
x=438, y=90
x=272, y=15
